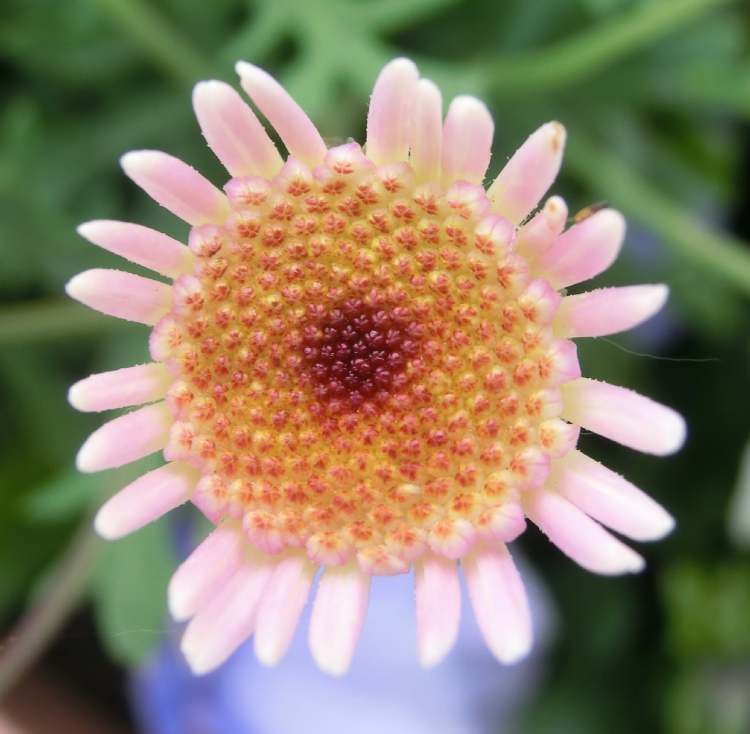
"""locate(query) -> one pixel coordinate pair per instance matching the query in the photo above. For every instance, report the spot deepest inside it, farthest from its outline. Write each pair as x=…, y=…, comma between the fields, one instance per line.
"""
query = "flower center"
x=357, y=353
x=362, y=364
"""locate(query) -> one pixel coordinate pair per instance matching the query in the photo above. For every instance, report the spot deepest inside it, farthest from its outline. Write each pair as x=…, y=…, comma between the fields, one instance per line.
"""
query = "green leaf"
x=129, y=593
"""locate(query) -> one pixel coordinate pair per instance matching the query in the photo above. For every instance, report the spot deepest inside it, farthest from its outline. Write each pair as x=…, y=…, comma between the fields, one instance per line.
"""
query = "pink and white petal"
x=233, y=131
x=337, y=617
x=177, y=186
x=427, y=136
x=390, y=118
x=499, y=601
x=300, y=136
x=122, y=388
x=139, y=244
x=578, y=536
x=467, y=140
x=125, y=439
x=120, y=294
x=585, y=250
x=204, y=571
x=624, y=416
x=538, y=235
x=228, y=619
x=608, y=310
x=438, y=607
x=146, y=499
x=531, y=170
x=609, y=498
x=281, y=607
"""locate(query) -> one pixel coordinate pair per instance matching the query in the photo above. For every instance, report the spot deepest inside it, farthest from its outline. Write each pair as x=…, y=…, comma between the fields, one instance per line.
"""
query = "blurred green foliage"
x=656, y=98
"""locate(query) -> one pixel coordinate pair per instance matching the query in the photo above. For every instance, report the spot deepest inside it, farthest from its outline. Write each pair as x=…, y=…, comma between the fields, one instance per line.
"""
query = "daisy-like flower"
x=363, y=363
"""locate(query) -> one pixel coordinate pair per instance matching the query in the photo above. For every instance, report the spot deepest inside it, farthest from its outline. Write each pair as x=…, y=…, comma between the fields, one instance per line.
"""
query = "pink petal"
x=390, y=118
x=337, y=617
x=427, y=136
x=205, y=570
x=579, y=537
x=141, y=245
x=233, y=131
x=584, y=250
x=127, y=438
x=538, y=235
x=467, y=140
x=228, y=619
x=608, y=310
x=438, y=607
x=499, y=600
x=609, y=498
x=529, y=173
x=120, y=388
x=283, y=602
x=124, y=295
x=623, y=416
x=294, y=127
x=146, y=499
x=176, y=186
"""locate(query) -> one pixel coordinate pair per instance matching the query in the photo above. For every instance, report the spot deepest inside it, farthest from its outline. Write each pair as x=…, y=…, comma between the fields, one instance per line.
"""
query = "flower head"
x=365, y=363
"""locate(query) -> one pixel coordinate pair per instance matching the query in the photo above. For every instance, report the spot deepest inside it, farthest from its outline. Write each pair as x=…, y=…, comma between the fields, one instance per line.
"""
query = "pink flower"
x=364, y=362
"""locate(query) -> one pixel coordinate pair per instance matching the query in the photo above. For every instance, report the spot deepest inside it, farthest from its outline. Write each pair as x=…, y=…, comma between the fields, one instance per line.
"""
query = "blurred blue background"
x=656, y=98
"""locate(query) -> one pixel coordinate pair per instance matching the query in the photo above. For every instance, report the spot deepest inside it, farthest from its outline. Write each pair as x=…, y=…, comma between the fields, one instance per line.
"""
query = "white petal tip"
x=76, y=396
x=268, y=655
x=674, y=434
x=198, y=662
x=516, y=653
x=77, y=287
x=86, y=459
x=429, y=657
x=246, y=70
x=106, y=526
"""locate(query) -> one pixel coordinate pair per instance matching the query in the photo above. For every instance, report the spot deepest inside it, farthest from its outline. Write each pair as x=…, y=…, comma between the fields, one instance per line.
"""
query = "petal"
x=608, y=310
x=146, y=499
x=438, y=607
x=538, y=235
x=127, y=438
x=499, y=600
x=337, y=617
x=467, y=140
x=176, y=186
x=294, y=127
x=529, y=173
x=228, y=619
x=204, y=571
x=123, y=295
x=136, y=385
x=141, y=245
x=609, y=498
x=233, y=131
x=623, y=416
x=578, y=536
x=584, y=250
x=427, y=135
x=390, y=117
x=283, y=602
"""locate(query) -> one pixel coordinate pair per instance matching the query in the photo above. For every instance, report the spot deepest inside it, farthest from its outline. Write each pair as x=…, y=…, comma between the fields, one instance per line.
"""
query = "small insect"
x=587, y=211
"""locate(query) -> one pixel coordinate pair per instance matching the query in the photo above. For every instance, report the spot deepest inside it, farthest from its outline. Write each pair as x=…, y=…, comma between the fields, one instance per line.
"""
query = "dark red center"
x=356, y=353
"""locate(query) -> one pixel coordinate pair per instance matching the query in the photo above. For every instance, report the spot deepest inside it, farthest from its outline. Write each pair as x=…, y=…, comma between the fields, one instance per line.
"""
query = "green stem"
x=155, y=35
x=724, y=255
x=586, y=54
x=50, y=320
x=35, y=630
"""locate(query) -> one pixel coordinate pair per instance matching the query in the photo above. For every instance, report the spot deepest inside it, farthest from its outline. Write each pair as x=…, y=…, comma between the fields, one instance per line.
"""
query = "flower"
x=364, y=364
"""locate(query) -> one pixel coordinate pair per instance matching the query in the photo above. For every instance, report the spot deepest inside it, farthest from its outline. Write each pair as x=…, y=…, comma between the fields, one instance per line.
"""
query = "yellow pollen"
x=359, y=368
